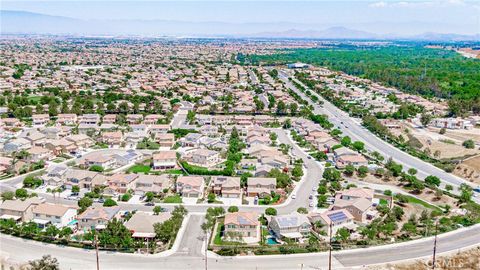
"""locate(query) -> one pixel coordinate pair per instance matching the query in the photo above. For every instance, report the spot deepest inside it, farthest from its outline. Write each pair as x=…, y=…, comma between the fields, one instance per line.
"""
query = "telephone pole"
x=96, y=251
x=330, y=249
x=435, y=246
x=206, y=249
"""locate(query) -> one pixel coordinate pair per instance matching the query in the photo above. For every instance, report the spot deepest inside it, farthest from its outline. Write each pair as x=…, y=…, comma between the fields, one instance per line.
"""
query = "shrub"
x=233, y=209
x=271, y=211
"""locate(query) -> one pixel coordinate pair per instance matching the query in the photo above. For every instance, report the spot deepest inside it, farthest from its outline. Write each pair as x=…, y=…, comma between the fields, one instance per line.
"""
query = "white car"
x=311, y=204
x=294, y=196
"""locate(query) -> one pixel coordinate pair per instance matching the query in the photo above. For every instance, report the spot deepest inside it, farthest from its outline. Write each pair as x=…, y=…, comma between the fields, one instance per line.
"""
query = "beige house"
x=292, y=226
x=141, y=224
x=165, y=139
x=97, y=217
x=205, y=157
x=336, y=218
x=190, y=186
x=242, y=225
x=260, y=186
x=121, y=183
x=164, y=160
x=19, y=210
x=226, y=187
x=54, y=214
x=151, y=183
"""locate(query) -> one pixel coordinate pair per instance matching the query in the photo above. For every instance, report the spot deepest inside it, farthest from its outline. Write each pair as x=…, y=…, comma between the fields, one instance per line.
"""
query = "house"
x=151, y=183
x=113, y=138
x=37, y=154
x=40, y=119
x=80, y=178
x=358, y=202
x=344, y=156
x=54, y=176
x=191, y=140
x=279, y=162
x=129, y=157
x=339, y=218
x=121, y=183
x=165, y=139
x=244, y=224
x=61, y=146
x=96, y=218
x=81, y=141
x=134, y=118
x=90, y=119
x=18, y=210
x=109, y=119
x=67, y=119
x=139, y=128
x=452, y=123
x=35, y=138
x=57, y=215
x=164, y=160
x=205, y=157
x=226, y=187
x=152, y=119
x=155, y=129
x=16, y=145
x=260, y=186
x=141, y=224
x=99, y=159
x=292, y=226
x=190, y=186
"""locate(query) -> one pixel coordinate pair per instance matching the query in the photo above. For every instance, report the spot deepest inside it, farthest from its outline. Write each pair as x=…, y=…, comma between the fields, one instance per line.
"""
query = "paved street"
x=354, y=130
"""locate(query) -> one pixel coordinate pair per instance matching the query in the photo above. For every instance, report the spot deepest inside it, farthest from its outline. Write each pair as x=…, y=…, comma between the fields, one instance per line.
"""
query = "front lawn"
x=139, y=169
x=173, y=199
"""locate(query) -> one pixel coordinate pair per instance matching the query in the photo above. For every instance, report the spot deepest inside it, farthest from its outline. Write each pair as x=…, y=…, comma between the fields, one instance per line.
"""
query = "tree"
x=32, y=182
x=75, y=189
x=409, y=228
x=469, y=144
x=47, y=262
x=412, y=171
x=346, y=141
x=297, y=171
x=358, y=145
x=7, y=195
x=432, y=180
x=293, y=108
x=343, y=234
x=96, y=168
x=362, y=171
x=397, y=212
x=84, y=203
x=425, y=119
x=443, y=131
x=466, y=193
x=233, y=209
x=157, y=209
x=349, y=170
x=271, y=211
x=149, y=196
x=211, y=198
x=448, y=187
x=109, y=203
x=302, y=210
x=116, y=234
x=331, y=174
x=21, y=193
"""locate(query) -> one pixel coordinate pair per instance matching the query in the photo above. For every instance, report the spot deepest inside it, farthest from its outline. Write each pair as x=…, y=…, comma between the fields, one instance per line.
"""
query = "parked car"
x=294, y=196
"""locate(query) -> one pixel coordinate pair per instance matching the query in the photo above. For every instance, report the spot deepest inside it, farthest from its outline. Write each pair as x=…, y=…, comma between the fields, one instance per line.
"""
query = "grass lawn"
x=58, y=160
x=173, y=199
x=139, y=169
x=34, y=98
x=383, y=202
x=422, y=203
x=174, y=171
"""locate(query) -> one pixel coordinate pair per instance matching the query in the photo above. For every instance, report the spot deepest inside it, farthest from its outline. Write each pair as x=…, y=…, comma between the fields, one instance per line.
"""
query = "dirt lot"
x=467, y=260
x=469, y=169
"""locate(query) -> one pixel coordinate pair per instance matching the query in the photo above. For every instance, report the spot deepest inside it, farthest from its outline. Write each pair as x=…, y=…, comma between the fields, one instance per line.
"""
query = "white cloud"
x=417, y=4
x=380, y=4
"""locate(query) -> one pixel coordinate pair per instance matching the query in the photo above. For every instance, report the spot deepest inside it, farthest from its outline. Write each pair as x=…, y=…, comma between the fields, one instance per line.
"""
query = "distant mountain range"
x=21, y=22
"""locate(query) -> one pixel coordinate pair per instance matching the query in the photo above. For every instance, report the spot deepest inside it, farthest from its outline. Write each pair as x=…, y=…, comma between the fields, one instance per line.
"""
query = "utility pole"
x=96, y=250
x=435, y=246
x=206, y=249
x=330, y=249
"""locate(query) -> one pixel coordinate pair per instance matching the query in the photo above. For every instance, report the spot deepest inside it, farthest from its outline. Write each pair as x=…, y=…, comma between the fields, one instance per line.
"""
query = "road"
x=20, y=250
x=356, y=131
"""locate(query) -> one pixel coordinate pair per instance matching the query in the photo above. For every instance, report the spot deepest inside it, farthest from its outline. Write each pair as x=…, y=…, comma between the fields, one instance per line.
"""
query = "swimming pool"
x=272, y=241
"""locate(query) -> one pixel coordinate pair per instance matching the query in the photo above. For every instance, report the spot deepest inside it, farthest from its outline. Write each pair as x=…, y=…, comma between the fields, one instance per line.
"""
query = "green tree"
x=233, y=209
x=21, y=193
x=109, y=203
x=96, y=168
x=271, y=211
x=362, y=171
x=84, y=203
x=7, y=195
x=343, y=234
x=346, y=141
x=469, y=144
x=432, y=180
x=157, y=209
x=358, y=145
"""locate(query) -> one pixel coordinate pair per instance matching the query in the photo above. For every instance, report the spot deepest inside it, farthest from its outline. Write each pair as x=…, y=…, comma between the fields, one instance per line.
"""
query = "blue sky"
x=380, y=16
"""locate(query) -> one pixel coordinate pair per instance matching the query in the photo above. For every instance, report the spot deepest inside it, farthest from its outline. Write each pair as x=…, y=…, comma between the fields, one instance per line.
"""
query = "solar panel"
x=337, y=216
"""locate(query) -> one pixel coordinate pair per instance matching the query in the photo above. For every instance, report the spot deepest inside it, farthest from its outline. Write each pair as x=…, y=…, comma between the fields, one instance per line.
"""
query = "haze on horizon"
x=380, y=17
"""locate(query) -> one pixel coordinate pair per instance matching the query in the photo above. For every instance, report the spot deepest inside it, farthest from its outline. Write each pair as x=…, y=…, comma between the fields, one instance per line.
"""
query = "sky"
x=388, y=16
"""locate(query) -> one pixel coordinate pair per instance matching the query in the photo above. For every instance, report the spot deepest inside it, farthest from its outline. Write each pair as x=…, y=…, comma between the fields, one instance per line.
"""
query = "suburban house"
x=54, y=214
x=260, y=186
x=54, y=176
x=336, y=218
x=40, y=119
x=152, y=119
x=37, y=154
x=164, y=160
x=134, y=118
x=96, y=218
x=226, y=187
x=141, y=224
x=19, y=210
x=16, y=145
x=128, y=157
x=67, y=119
x=293, y=226
x=165, y=139
x=81, y=141
x=155, y=129
x=242, y=225
x=90, y=119
x=105, y=161
x=61, y=146
x=344, y=156
x=121, y=183
x=204, y=157
x=80, y=178
x=109, y=119
x=190, y=186
x=358, y=201
x=151, y=183
x=113, y=138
